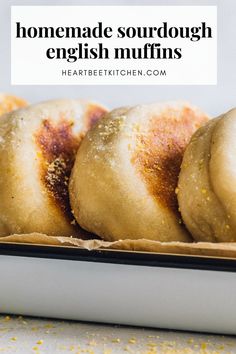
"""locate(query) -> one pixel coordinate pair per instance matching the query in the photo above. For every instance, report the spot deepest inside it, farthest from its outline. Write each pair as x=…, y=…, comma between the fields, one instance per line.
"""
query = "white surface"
x=161, y=297
x=41, y=336
x=214, y=99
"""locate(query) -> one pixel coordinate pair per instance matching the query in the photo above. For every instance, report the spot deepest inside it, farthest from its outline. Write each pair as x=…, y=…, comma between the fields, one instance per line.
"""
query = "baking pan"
x=133, y=288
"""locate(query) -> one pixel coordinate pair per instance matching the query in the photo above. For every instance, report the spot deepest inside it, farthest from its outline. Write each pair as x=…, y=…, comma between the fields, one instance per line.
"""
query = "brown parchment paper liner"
x=223, y=249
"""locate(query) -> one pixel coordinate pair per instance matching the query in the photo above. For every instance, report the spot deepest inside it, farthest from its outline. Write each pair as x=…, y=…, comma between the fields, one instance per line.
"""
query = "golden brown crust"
x=57, y=149
x=160, y=151
x=9, y=103
x=93, y=114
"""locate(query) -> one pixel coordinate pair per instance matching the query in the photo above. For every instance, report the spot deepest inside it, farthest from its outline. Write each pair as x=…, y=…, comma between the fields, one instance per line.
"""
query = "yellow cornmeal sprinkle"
x=40, y=341
x=147, y=344
x=151, y=344
x=49, y=325
x=92, y=343
x=190, y=341
x=7, y=318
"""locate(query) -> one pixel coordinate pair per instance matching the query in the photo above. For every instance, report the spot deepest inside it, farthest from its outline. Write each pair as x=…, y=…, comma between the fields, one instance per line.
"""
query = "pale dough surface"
x=37, y=150
x=207, y=183
x=125, y=174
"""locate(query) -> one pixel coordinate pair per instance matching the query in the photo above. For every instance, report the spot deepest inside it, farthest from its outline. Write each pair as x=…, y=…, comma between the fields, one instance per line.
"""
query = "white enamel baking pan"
x=166, y=291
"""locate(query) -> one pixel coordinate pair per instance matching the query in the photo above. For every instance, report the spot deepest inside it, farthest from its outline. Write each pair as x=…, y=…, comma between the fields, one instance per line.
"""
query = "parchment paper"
x=223, y=249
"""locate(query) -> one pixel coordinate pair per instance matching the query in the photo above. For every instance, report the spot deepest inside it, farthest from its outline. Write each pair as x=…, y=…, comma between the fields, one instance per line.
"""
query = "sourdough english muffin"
x=37, y=150
x=207, y=183
x=10, y=103
x=125, y=174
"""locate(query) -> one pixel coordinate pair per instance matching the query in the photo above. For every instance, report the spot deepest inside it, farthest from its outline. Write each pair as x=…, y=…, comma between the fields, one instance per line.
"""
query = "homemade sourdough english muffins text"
x=126, y=171
x=207, y=183
x=37, y=151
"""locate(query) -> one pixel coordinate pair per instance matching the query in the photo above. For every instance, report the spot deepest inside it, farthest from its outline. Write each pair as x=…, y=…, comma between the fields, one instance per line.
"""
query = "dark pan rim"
x=136, y=258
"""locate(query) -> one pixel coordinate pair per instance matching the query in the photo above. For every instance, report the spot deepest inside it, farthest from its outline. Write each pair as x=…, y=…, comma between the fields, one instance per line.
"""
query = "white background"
x=214, y=99
x=31, y=66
